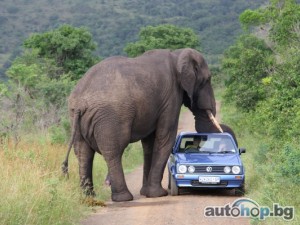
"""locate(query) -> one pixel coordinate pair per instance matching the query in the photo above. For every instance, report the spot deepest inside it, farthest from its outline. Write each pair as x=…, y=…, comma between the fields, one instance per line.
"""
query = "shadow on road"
x=207, y=192
x=139, y=204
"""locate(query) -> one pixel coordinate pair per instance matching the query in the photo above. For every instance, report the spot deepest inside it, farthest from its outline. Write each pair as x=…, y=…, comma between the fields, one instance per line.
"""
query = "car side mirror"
x=242, y=150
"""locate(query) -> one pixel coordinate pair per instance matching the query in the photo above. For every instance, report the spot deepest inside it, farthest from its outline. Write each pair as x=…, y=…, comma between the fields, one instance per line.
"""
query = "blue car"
x=206, y=160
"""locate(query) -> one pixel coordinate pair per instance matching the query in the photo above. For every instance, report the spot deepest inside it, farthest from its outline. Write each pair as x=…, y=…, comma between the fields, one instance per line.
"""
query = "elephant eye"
x=196, y=69
x=203, y=81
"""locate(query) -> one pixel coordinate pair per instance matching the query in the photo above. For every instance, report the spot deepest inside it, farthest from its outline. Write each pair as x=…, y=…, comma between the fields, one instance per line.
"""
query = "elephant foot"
x=87, y=187
x=122, y=197
x=89, y=192
x=143, y=191
x=157, y=191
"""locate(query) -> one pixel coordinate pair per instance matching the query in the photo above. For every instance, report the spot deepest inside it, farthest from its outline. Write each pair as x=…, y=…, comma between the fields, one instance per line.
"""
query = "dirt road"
x=187, y=208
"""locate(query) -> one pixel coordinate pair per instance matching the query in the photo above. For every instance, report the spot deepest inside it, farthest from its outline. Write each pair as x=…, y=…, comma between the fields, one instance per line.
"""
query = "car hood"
x=228, y=159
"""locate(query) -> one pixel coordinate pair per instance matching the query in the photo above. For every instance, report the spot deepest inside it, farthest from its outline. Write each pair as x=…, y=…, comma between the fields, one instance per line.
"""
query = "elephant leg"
x=161, y=152
x=154, y=188
x=85, y=157
x=148, y=144
x=112, y=145
x=119, y=189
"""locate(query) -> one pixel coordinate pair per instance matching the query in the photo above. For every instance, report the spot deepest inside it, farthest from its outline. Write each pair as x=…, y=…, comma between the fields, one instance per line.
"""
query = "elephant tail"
x=64, y=166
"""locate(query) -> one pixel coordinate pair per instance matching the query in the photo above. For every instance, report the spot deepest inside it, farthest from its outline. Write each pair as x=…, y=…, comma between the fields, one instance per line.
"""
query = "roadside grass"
x=265, y=182
x=33, y=190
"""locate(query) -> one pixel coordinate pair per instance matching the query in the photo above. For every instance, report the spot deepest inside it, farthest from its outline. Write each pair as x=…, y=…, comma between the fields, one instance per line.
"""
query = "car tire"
x=169, y=180
x=173, y=187
x=240, y=191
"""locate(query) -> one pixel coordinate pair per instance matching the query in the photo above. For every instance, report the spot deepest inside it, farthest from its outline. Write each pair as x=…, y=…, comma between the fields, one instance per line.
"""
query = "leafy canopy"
x=39, y=79
x=71, y=48
x=260, y=69
x=281, y=16
x=263, y=74
x=247, y=63
x=164, y=36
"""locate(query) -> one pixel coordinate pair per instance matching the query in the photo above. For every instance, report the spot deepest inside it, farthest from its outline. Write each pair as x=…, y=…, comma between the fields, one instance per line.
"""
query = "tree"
x=282, y=18
x=264, y=78
x=32, y=100
x=247, y=64
x=71, y=48
x=162, y=37
x=256, y=68
x=40, y=78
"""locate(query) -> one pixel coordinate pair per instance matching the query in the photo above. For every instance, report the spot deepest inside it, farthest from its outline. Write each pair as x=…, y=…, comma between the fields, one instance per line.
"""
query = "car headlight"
x=191, y=169
x=227, y=169
x=182, y=169
x=236, y=169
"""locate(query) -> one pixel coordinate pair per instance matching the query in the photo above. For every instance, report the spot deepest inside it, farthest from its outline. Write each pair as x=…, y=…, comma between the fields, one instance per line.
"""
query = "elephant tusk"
x=214, y=121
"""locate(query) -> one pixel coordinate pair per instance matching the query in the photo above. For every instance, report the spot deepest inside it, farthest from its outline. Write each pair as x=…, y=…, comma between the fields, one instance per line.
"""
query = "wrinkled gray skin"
x=123, y=100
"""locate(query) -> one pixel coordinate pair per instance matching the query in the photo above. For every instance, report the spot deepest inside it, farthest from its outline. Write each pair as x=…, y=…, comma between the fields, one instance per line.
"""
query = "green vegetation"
x=70, y=48
x=113, y=24
x=263, y=70
x=163, y=37
x=247, y=62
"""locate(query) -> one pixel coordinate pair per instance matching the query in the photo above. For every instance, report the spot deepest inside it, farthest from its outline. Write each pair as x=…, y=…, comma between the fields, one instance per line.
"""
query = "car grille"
x=215, y=170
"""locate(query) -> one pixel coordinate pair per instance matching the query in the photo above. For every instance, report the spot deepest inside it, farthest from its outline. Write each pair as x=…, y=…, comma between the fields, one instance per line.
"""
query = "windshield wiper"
x=225, y=152
x=206, y=152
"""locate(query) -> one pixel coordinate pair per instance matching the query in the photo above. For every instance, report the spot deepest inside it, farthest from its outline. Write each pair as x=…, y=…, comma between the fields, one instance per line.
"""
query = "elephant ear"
x=186, y=64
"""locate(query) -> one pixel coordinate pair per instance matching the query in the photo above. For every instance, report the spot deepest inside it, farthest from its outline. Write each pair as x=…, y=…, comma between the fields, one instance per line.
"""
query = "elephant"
x=122, y=100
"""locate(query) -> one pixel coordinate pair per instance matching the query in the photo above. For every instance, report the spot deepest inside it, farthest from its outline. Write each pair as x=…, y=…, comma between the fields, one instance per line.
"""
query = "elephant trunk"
x=214, y=121
x=205, y=122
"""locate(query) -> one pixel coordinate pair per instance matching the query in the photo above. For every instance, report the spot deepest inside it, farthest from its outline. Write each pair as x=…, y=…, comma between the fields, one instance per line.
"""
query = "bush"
x=60, y=133
x=246, y=65
x=57, y=135
x=289, y=166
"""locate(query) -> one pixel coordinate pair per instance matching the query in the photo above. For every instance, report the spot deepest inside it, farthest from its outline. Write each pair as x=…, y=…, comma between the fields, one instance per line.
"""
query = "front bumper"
x=226, y=181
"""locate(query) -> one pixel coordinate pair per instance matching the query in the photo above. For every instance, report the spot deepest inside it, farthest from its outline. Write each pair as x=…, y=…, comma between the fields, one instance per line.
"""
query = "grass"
x=263, y=182
x=33, y=190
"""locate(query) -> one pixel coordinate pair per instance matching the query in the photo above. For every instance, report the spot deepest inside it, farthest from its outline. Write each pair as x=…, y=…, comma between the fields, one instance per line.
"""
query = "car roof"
x=187, y=133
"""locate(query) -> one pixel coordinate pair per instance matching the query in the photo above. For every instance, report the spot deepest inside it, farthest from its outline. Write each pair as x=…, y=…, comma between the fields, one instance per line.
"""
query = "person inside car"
x=225, y=147
x=195, y=145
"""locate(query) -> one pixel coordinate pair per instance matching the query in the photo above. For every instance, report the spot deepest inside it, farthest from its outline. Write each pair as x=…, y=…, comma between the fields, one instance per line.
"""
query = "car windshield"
x=220, y=144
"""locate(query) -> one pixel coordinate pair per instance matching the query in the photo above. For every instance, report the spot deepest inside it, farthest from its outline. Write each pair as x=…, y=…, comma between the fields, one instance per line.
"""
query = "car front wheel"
x=174, y=188
x=240, y=191
x=169, y=180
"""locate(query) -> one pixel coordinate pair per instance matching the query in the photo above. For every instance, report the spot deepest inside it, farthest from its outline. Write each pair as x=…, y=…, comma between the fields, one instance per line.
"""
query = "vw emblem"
x=208, y=169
